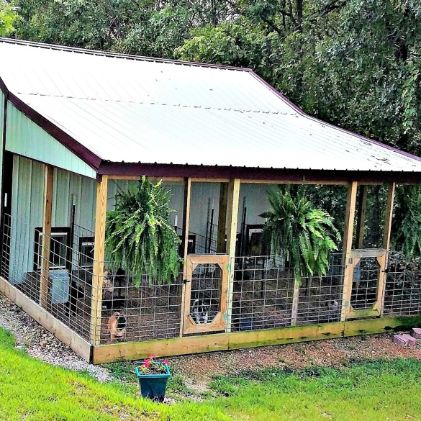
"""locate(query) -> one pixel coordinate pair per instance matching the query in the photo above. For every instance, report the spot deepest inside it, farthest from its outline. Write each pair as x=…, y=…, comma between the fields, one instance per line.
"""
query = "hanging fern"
x=302, y=233
x=139, y=237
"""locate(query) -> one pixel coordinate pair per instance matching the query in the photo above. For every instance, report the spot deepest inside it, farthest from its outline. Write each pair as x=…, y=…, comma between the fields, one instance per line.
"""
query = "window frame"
x=55, y=231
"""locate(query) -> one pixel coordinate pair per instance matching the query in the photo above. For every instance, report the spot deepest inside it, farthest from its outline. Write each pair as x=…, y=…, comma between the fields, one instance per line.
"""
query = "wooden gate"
x=368, y=283
x=205, y=299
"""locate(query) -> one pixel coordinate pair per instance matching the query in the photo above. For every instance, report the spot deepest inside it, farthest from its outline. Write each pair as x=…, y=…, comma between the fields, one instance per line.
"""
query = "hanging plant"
x=139, y=237
x=303, y=234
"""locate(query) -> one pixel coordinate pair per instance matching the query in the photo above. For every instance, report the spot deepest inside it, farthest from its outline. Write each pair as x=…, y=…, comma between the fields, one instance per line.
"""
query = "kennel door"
x=205, y=293
x=368, y=282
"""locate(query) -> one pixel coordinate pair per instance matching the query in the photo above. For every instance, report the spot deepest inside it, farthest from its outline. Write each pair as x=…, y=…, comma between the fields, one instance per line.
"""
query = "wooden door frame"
x=218, y=323
x=376, y=309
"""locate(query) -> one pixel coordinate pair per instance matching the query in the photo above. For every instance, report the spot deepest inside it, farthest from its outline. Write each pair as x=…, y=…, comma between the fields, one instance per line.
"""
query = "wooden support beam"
x=137, y=177
x=46, y=234
x=222, y=218
x=310, y=182
x=185, y=242
x=388, y=215
x=295, y=300
x=99, y=258
x=347, y=248
x=362, y=216
x=232, y=222
x=386, y=245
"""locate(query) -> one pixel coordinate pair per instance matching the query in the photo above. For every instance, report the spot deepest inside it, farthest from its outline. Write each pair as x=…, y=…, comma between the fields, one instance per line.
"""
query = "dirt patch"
x=330, y=353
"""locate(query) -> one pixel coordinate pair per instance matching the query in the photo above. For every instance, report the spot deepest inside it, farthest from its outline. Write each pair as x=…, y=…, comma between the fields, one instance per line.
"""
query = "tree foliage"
x=139, y=237
x=408, y=213
x=353, y=63
x=303, y=234
x=8, y=18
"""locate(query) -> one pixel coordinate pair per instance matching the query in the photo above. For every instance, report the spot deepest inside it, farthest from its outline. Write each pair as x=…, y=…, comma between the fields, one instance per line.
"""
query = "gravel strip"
x=40, y=343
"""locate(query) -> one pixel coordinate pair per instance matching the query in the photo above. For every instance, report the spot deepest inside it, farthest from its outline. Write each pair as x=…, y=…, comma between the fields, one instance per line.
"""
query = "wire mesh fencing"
x=320, y=297
x=136, y=309
x=364, y=283
x=263, y=294
x=69, y=264
x=403, y=286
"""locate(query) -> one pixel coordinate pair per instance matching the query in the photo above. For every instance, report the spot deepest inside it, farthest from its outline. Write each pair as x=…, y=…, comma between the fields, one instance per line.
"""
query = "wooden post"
x=362, y=215
x=232, y=221
x=386, y=245
x=295, y=299
x=99, y=258
x=46, y=234
x=222, y=218
x=347, y=249
x=185, y=244
x=388, y=216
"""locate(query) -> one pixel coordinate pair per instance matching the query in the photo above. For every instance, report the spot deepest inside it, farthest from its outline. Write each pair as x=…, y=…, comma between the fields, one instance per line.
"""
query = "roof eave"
x=52, y=129
x=126, y=169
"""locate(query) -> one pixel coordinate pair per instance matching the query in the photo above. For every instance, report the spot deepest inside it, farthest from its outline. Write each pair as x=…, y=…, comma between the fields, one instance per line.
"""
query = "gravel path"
x=41, y=344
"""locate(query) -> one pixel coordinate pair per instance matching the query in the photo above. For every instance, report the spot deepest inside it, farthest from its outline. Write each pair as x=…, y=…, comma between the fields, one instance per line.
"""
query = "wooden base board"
x=44, y=318
x=204, y=343
x=250, y=339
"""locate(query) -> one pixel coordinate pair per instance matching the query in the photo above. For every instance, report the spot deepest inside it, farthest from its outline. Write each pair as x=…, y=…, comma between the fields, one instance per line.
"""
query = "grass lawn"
x=379, y=390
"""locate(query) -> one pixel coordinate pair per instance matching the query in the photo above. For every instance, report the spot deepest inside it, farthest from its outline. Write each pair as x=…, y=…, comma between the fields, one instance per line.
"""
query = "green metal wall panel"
x=27, y=207
x=27, y=139
x=1, y=141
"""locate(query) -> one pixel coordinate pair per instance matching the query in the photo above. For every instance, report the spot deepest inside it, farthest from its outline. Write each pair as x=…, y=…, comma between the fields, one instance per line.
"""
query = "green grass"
x=371, y=391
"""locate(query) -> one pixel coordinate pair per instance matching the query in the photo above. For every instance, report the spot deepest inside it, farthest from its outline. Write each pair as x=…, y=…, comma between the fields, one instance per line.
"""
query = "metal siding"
x=27, y=208
x=1, y=143
x=27, y=139
x=147, y=111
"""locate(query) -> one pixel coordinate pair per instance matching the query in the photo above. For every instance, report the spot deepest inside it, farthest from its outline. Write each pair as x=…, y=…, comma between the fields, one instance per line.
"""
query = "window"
x=60, y=252
x=86, y=252
x=191, y=244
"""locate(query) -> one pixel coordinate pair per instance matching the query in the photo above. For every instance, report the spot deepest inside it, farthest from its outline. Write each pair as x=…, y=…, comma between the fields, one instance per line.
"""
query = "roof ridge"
x=123, y=56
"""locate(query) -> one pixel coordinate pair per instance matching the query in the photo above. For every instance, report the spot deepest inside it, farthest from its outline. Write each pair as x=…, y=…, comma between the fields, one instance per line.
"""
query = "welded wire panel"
x=5, y=246
x=364, y=283
x=205, y=299
x=134, y=310
x=262, y=294
x=320, y=297
x=69, y=282
x=403, y=285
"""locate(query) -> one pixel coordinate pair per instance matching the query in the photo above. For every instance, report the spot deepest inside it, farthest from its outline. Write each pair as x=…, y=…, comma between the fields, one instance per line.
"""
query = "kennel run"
x=80, y=126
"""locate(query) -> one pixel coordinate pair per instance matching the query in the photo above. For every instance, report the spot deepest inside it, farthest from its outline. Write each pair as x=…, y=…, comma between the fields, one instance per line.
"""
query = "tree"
x=8, y=18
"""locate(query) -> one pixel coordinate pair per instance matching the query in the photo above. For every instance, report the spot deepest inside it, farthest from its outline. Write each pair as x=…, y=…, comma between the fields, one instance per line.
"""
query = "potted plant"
x=153, y=375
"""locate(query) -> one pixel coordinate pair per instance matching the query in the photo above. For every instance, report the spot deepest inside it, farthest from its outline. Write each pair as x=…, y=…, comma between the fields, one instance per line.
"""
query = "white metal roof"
x=141, y=110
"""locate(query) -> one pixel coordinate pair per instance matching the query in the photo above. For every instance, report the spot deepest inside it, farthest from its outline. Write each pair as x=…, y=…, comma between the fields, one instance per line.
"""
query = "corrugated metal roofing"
x=140, y=110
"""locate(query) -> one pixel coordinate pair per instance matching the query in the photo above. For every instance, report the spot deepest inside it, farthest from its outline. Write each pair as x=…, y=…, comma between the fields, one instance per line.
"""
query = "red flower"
x=147, y=363
x=166, y=362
